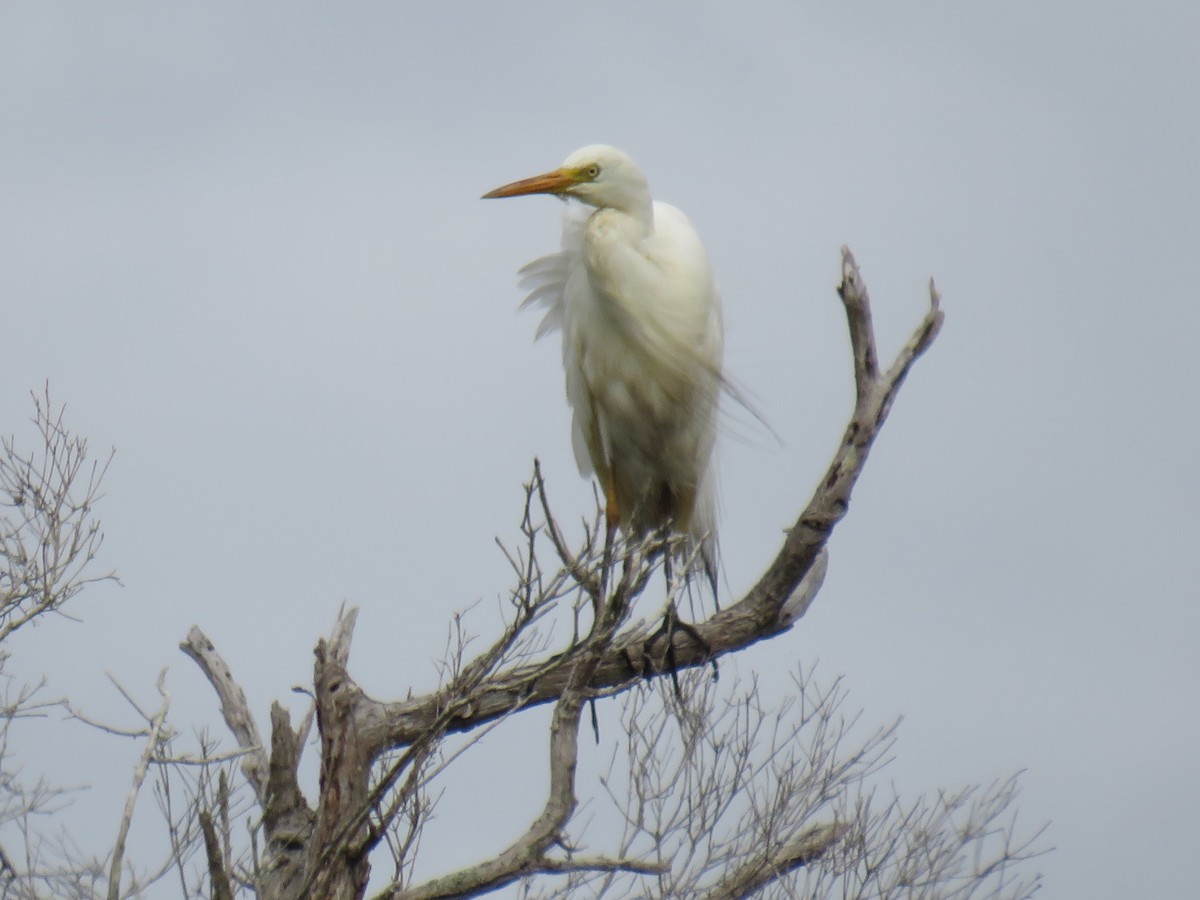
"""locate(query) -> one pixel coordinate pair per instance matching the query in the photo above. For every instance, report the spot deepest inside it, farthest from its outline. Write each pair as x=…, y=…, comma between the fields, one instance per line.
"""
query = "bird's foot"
x=667, y=662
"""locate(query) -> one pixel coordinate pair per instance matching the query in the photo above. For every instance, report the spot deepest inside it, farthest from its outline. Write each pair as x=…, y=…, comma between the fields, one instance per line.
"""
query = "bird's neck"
x=631, y=200
x=643, y=211
x=638, y=211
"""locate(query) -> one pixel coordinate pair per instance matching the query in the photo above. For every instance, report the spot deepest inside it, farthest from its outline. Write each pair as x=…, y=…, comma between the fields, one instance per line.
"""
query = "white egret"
x=633, y=294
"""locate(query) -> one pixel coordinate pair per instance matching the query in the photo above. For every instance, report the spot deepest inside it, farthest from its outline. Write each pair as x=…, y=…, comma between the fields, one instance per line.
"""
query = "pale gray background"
x=245, y=247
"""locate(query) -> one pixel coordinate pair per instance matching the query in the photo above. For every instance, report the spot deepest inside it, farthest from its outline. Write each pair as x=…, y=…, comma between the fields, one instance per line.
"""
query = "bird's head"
x=598, y=175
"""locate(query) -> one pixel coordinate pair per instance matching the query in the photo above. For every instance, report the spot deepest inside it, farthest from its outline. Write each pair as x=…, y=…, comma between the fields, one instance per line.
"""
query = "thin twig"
x=157, y=723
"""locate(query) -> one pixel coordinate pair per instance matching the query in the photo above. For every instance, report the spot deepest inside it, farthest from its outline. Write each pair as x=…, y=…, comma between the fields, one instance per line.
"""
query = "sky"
x=244, y=246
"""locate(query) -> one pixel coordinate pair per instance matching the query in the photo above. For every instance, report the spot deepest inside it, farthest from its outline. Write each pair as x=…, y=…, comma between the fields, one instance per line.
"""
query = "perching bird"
x=633, y=294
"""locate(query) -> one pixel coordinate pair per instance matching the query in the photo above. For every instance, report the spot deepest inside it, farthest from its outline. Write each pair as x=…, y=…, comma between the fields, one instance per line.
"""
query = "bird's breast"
x=641, y=330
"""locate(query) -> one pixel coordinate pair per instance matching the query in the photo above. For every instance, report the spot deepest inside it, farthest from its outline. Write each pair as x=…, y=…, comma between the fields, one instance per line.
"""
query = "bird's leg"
x=671, y=620
x=694, y=634
x=710, y=570
x=670, y=624
x=671, y=616
x=665, y=536
x=612, y=520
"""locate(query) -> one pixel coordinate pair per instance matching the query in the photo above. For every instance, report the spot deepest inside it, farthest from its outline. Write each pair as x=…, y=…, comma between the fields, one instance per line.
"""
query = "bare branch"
x=48, y=536
x=757, y=872
x=806, y=591
x=853, y=292
x=593, y=864
x=571, y=562
x=234, y=708
x=139, y=776
x=528, y=854
x=201, y=760
x=287, y=818
x=218, y=878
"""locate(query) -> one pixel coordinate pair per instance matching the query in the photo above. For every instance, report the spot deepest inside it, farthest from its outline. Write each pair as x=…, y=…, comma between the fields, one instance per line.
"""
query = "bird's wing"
x=546, y=277
x=707, y=352
x=546, y=280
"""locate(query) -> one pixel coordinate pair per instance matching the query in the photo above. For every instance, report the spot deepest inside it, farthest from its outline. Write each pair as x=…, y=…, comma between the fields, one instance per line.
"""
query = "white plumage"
x=633, y=294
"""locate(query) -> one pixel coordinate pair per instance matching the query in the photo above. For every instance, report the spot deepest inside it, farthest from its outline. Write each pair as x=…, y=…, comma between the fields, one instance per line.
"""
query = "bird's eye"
x=593, y=171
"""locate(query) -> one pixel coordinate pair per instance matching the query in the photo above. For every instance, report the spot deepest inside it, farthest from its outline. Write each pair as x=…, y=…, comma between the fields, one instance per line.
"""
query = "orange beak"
x=555, y=182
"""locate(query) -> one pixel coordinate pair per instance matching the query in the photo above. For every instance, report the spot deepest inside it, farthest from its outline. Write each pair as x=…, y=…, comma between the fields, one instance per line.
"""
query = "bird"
x=633, y=294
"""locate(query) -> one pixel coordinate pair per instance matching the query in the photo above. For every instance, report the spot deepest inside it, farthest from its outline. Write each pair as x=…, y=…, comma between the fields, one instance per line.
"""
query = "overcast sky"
x=244, y=246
